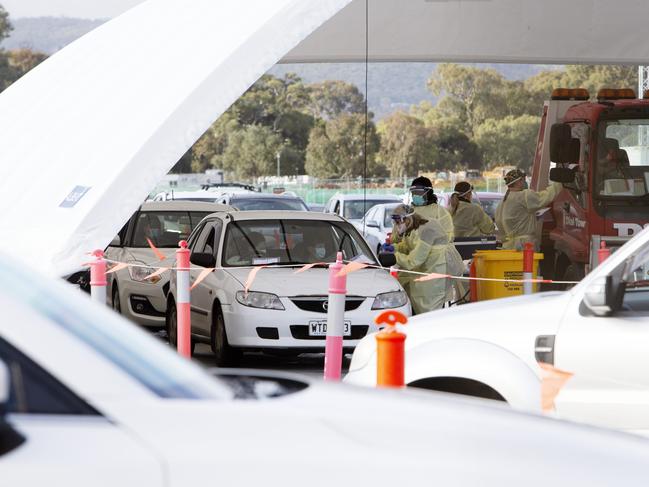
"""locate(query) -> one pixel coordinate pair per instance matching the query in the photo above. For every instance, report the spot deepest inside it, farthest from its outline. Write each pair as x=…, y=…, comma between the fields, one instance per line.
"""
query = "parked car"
x=353, y=207
x=282, y=310
x=597, y=331
x=263, y=201
x=93, y=401
x=130, y=291
x=377, y=224
x=316, y=207
x=489, y=202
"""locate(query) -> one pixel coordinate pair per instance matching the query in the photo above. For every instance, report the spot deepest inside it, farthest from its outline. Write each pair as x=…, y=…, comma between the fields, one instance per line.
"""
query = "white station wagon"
x=282, y=310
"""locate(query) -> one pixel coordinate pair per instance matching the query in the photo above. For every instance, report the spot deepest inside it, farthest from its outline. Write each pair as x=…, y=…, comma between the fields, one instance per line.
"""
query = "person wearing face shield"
x=469, y=219
x=425, y=203
x=516, y=213
x=426, y=248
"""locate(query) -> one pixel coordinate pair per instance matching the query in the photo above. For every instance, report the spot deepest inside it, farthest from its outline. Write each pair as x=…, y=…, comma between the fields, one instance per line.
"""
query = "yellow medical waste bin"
x=501, y=264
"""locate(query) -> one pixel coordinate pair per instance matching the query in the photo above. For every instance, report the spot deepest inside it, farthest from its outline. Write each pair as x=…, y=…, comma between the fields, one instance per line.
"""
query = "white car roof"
x=359, y=196
x=184, y=205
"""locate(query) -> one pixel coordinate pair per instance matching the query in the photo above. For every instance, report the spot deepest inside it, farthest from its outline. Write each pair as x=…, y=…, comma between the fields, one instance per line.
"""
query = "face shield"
x=419, y=195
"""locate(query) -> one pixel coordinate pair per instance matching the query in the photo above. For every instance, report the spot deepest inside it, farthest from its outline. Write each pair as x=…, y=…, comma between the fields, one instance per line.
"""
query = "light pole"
x=278, y=158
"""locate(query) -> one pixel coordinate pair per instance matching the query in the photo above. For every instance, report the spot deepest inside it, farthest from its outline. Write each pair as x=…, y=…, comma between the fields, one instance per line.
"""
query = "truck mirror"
x=562, y=175
x=564, y=149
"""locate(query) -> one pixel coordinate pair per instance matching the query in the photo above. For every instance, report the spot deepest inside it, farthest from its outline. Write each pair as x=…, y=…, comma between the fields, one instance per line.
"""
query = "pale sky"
x=91, y=9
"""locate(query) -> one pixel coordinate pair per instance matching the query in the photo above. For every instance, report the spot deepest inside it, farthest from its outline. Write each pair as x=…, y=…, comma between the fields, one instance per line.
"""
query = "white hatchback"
x=282, y=310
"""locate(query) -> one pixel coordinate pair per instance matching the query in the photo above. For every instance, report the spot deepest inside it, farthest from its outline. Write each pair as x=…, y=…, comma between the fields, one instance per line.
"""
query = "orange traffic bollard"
x=390, y=350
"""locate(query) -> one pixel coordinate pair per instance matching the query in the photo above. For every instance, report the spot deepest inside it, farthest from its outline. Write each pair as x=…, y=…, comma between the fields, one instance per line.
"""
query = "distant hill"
x=392, y=86
x=48, y=34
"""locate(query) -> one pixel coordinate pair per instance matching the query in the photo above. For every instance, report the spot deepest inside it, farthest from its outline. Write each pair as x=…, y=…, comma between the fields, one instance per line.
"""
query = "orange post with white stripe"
x=390, y=350
x=528, y=268
x=183, y=303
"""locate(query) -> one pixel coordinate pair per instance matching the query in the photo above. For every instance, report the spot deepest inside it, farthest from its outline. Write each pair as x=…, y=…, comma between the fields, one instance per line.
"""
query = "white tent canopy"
x=505, y=31
x=87, y=134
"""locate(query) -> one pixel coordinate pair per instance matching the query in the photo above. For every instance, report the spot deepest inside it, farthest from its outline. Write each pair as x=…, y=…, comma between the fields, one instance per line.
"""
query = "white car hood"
x=510, y=323
x=330, y=434
x=315, y=282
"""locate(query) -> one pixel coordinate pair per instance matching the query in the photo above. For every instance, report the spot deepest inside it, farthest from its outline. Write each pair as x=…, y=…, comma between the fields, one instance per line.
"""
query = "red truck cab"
x=599, y=151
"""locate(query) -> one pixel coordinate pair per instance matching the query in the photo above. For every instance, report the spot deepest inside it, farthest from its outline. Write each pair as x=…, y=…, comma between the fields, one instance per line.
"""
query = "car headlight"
x=259, y=300
x=141, y=274
x=394, y=299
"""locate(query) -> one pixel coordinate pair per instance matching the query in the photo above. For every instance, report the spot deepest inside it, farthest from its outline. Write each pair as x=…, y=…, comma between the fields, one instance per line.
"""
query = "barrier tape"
x=350, y=267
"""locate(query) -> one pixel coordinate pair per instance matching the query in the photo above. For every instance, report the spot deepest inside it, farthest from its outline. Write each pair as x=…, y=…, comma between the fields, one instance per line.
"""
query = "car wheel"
x=117, y=305
x=172, y=328
x=172, y=324
x=224, y=354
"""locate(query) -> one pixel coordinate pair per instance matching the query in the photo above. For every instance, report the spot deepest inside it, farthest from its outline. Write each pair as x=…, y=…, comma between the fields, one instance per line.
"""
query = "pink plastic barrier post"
x=603, y=252
x=98, y=277
x=183, y=332
x=335, y=321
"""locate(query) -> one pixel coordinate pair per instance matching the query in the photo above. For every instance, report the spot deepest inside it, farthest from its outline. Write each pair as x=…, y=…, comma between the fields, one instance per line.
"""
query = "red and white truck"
x=599, y=150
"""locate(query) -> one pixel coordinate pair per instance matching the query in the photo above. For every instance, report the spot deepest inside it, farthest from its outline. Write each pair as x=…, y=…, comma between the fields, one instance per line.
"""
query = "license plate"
x=318, y=328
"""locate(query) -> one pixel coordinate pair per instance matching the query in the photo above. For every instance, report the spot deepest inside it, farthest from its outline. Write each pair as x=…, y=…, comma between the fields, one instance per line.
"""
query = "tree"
x=407, y=145
x=332, y=98
x=510, y=141
x=207, y=152
x=251, y=151
x=454, y=149
x=5, y=24
x=336, y=148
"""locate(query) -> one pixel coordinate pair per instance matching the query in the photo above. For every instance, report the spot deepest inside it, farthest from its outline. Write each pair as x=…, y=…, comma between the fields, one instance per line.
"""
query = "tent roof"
x=504, y=31
x=88, y=133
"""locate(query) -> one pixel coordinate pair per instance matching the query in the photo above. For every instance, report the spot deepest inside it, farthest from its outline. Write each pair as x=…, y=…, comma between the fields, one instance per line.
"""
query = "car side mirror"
x=564, y=148
x=372, y=224
x=387, y=259
x=202, y=259
x=115, y=242
x=562, y=175
x=605, y=295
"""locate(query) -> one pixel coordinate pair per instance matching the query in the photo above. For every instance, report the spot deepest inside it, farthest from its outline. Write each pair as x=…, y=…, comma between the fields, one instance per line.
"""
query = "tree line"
x=480, y=120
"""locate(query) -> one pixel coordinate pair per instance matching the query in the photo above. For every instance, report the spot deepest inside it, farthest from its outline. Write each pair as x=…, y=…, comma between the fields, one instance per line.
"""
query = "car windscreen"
x=165, y=228
x=253, y=204
x=267, y=242
x=355, y=210
x=622, y=168
x=139, y=355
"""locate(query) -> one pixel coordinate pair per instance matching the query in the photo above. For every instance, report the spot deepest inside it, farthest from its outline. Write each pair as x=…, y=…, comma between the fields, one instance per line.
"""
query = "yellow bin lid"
x=503, y=255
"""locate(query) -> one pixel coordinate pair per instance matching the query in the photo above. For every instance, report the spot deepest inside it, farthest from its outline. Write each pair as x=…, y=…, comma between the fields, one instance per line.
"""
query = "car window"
x=354, y=210
x=35, y=391
x=164, y=229
x=209, y=238
x=196, y=216
x=266, y=242
x=371, y=215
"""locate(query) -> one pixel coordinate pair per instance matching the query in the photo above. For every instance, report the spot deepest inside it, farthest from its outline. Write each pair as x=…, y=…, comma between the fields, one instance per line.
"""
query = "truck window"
x=622, y=169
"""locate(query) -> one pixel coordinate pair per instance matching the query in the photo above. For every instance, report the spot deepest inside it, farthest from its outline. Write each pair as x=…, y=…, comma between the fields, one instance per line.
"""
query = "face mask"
x=320, y=252
x=525, y=185
x=418, y=200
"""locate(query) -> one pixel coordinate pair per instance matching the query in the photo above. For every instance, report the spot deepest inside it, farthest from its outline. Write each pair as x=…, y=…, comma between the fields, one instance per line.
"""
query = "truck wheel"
x=224, y=354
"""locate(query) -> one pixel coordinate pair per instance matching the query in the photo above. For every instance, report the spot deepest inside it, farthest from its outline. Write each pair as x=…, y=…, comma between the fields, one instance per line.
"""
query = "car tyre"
x=224, y=354
x=117, y=304
x=172, y=327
